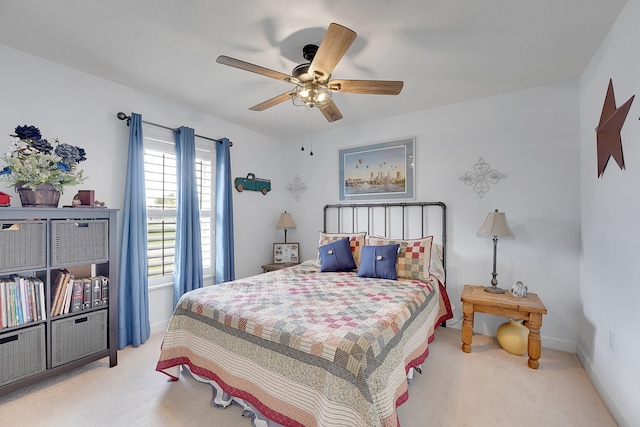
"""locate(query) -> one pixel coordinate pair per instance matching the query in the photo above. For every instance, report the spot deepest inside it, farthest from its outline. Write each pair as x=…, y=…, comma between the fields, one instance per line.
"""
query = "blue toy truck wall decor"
x=252, y=183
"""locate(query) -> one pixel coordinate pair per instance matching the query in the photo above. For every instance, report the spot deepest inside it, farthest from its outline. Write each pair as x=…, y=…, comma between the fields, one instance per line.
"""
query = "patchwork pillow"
x=356, y=242
x=336, y=256
x=379, y=262
x=414, y=258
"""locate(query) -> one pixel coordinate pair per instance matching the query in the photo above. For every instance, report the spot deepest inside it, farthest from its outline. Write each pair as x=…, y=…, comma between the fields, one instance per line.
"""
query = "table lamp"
x=495, y=226
x=284, y=222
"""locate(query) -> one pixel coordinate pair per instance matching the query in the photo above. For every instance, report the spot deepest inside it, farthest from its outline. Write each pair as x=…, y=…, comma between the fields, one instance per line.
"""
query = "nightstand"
x=277, y=266
x=530, y=309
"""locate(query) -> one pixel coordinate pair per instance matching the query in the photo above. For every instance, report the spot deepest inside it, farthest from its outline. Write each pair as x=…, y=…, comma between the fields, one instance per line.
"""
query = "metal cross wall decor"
x=297, y=187
x=481, y=177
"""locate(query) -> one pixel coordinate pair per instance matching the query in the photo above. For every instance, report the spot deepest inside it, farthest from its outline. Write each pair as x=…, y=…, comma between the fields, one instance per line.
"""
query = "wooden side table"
x=277, y=266
x=530, y=309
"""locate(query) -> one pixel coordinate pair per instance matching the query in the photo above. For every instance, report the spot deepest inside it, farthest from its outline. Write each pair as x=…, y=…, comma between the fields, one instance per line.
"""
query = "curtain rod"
x=123, y=116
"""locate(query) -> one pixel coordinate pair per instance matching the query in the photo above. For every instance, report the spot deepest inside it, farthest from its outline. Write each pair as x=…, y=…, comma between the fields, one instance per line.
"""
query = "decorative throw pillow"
x=379, y=262
x=336, y=256
x=436, y=267
x=356, y=242
x=414, y=256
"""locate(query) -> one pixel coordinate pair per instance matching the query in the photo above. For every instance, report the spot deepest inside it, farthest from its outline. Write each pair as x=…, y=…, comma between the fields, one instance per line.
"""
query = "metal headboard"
x=398, y=220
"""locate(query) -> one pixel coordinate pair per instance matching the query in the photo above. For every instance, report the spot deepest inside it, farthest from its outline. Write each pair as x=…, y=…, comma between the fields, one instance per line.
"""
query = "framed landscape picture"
x=286, y=252
x=382, y=171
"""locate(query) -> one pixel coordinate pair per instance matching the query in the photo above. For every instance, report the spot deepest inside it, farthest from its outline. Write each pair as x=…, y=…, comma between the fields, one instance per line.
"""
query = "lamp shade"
x=495, y=225
x=285, y=221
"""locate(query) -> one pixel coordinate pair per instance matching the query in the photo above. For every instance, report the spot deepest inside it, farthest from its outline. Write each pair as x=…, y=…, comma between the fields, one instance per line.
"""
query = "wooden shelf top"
x=477, y=295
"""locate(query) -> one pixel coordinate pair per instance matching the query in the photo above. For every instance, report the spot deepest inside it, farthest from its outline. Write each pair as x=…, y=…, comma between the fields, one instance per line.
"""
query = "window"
x=161, y=183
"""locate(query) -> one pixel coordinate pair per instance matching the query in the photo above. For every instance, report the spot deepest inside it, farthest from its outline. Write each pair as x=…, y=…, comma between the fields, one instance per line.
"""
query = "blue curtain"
x=188, y=273
x=133, y=296
x=225, y=264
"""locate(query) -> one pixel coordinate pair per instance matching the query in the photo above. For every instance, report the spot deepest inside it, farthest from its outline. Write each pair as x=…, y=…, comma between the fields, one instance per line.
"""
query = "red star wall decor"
x=608, y=131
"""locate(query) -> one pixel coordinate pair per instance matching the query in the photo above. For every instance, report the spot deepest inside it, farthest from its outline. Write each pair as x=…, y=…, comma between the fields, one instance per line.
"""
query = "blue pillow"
x=336, y=256
x=379, y=261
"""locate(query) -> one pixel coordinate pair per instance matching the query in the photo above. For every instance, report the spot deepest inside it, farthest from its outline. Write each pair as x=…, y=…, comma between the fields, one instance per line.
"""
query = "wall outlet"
x=612, y=341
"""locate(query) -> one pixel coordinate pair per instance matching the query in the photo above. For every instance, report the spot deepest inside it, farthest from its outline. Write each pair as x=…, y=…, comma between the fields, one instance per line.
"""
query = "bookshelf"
x=49, y=329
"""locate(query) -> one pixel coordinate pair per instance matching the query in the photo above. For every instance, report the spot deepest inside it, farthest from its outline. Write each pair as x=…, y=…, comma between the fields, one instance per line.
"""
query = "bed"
x=321, y=343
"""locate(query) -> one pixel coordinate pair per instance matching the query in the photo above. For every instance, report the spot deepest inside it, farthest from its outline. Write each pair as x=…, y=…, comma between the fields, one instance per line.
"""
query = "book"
x=77, y=296
x=43, y=306
x=86, y=299
x=26, y=299
x=32, y=299
x=66, y=301
x=18, y=301
x=56, y=291
x=96, y=286
x=3, y=310
x=104, y=291
x=11, y=303
x=62, y=292
x=36, y=298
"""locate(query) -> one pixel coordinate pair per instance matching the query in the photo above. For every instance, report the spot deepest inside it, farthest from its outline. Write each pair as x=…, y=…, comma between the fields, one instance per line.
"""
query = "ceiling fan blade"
x=331, y=112
x=236, y=63
x=271, y=102
x=334, y=45
x=371, y=87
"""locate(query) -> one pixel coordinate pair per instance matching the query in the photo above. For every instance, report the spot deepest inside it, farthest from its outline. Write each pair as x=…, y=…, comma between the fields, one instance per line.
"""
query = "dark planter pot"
x=43, y=196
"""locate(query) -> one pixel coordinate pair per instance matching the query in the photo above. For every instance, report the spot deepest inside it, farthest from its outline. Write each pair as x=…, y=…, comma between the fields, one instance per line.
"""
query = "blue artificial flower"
x=5, y=171
x=28, y=132
x=68, y=153
x=63, y=167
x=43, y=146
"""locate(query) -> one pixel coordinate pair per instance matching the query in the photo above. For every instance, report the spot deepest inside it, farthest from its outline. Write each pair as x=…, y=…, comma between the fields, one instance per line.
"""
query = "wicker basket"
x=22, y=354
x=79, y=241
x=23, y=245
x=76, y=337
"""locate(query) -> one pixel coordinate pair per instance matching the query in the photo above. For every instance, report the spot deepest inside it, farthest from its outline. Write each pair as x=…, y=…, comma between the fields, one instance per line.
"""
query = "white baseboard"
x=557, y=344
x=616, y=412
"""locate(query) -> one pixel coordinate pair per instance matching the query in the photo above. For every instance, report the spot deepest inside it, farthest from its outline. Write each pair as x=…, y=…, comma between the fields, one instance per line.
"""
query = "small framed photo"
x=286, y=252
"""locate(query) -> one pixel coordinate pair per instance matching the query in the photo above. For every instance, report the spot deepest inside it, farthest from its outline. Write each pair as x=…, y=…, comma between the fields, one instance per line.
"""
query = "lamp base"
x=494, y=289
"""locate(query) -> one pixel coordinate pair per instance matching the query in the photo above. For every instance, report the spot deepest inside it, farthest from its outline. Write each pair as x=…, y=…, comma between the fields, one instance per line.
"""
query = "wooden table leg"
x=467, y=326
x=534, y=324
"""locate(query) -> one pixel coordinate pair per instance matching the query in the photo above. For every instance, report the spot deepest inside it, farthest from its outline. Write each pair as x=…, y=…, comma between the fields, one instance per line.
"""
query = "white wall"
x=80, y=109
x=531, y=137
x=542, y=139
x=610, y=272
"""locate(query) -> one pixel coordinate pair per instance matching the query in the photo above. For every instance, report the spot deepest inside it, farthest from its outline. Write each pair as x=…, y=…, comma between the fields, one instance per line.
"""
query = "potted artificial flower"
x=38, y=170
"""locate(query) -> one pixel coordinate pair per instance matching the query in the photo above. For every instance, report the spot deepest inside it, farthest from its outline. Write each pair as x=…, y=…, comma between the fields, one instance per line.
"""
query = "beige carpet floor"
x=488, y=387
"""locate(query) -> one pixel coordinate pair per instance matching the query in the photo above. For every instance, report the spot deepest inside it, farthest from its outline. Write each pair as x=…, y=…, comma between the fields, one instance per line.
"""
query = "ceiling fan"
x=313, y=87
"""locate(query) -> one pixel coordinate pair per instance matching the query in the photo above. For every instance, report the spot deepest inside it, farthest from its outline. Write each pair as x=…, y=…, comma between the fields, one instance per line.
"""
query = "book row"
x=70, y=294
x=21, y=301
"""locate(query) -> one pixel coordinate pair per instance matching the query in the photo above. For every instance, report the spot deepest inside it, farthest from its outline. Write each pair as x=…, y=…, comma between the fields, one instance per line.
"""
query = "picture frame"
x=87, y=199
x=286, y=252
x=380, y=171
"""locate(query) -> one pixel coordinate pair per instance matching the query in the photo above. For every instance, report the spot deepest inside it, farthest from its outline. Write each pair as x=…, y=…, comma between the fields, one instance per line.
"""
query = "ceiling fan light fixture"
x=311, y=94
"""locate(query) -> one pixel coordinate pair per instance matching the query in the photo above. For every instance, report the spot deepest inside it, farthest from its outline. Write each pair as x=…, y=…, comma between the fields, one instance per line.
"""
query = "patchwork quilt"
x=308, y=348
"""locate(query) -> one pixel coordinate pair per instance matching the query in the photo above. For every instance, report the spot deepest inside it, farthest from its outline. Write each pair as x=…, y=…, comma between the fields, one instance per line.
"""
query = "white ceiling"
x=445, y=51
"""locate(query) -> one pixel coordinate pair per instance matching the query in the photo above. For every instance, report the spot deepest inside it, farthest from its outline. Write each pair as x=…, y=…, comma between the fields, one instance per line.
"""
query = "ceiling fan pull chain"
x=302, y=115
x=311, y=137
